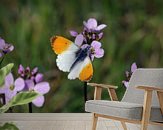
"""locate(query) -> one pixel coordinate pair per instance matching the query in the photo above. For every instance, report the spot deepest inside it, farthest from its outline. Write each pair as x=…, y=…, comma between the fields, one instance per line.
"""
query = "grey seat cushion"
x=125, y=110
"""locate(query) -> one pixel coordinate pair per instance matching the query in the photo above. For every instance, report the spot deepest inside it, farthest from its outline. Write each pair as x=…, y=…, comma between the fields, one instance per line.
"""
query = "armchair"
x=142, y=102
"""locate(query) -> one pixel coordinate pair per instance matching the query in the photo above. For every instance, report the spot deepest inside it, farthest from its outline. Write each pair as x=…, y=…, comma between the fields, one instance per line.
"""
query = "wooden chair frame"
x=146, y=106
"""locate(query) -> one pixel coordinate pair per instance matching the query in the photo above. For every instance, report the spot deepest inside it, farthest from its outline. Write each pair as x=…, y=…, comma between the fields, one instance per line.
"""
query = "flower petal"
x=126, y=83
x=9, y=80
x=1, y=54
x=11, y=48
x=133, y=67
x=39, y=101
x=34, y=71
x=99, y=53
x=30, y=84
x=100, y=27
x=79, y=40
x=19, y=84
x=73, y=33
x=85, y=25
x=127, y=74
x=100, y=35
x=92, y=57
x=91, y=23
x=20, y=69
x=84, y=46
x=9, y=95
x=39, y=77
x=27, y=69
x=96, y=45
x=42, y=87
x=2, y=43
x=3, y=89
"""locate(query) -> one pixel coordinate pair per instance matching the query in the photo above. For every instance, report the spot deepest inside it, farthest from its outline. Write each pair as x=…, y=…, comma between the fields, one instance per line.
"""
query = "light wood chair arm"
x=98, y=91
x=102, y=85
x=150, y=88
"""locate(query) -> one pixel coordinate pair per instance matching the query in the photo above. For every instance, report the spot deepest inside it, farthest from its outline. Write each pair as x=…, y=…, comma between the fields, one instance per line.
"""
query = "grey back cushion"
x=143, y=77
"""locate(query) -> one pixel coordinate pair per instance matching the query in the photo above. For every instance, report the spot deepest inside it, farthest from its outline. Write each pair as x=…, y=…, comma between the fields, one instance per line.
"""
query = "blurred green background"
x=134, y=34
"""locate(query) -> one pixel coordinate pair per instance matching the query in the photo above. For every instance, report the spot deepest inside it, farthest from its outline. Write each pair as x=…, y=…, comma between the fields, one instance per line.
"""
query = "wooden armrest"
x=150, y=88
x=102, y=85
x=98, y=90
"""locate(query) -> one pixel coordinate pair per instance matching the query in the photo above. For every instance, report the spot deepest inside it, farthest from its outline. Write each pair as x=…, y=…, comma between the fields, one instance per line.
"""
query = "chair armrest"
x=98, y=90
x=102, y=86
x=150, y=88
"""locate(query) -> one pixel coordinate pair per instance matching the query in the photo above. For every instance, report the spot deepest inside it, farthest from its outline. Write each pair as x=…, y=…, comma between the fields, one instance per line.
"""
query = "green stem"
x=85, y=91
x=1, y=61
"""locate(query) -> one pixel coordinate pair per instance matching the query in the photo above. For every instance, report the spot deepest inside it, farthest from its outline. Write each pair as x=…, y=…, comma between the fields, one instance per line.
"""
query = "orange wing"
x=86, y=73
x=82, y=70
x=60, y=44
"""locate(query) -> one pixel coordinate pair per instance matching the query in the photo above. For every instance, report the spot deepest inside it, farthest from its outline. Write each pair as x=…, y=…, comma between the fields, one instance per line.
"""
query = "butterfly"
x=72, y=58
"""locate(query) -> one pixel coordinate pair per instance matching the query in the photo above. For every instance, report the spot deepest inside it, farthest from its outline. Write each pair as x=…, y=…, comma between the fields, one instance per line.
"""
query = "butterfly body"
x=81, y=54
x=72, y=58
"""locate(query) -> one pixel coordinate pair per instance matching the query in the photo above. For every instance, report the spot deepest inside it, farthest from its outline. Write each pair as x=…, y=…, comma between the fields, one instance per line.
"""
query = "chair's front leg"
x=94, y=121
x=146, y=109
x=97, y=96
x=124, y=125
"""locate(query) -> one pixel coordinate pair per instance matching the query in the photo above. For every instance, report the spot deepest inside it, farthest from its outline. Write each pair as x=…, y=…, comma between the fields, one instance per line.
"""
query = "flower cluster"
x=90, y=36
x=28, y=80
x=28, y=74
x=5, y=47
x=129, y=74
x=34, y=82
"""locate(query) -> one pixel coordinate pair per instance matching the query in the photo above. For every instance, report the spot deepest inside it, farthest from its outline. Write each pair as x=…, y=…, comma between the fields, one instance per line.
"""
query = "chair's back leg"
x=124, y=125
x=94, y=121
x=146, y=110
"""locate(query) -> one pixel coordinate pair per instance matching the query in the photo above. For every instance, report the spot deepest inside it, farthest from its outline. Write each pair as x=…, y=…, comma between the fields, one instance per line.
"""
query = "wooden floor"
x=58, y=121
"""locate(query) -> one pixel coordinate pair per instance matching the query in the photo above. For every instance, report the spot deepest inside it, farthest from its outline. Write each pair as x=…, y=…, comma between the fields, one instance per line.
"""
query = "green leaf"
x=8, y=126
x=5, y=71
x=5, y=108
x=20, y=99
x=24, y=98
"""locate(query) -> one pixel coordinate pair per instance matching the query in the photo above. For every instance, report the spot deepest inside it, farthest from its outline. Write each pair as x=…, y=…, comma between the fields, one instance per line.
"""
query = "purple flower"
x=34, y=82
x=21, y=71
x=91, y=32
x=129, y=74
x=5, y=47
x=89, y=38
x=41, y=88
x=11, y=87
x=27, y=74
x=96, y=50
x=34, y=71
x=39, y=78
x=126, y=83
x=91, y=25
x=79, y=40
x=73, y=33
x=133, y=67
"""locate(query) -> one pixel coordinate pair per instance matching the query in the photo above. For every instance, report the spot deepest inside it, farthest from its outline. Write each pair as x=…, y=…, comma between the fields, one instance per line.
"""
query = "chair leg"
x=94, y=121
x=124, y=125
x=146, y=110
x=144, y=126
